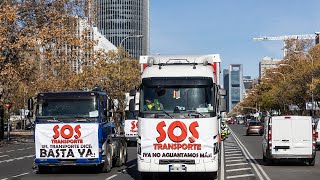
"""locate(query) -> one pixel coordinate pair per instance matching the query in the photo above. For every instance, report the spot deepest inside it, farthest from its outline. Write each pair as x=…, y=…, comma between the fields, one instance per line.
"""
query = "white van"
x=318, y=130
x=289, y=137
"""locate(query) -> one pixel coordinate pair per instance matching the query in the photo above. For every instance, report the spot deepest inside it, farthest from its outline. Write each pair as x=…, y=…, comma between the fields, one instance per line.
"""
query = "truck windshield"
x=67, y=107
x=196, y=100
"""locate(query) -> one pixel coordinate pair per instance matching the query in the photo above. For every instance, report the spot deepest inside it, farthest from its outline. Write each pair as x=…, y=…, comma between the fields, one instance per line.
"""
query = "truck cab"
x=73, y=128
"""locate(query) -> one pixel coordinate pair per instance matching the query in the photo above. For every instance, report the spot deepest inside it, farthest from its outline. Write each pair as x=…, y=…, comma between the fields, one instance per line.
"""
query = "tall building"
x=248, y=85
x=82, y=26
x=120, y=21
x=267, y=63
x=226, y=85
x=236, y=86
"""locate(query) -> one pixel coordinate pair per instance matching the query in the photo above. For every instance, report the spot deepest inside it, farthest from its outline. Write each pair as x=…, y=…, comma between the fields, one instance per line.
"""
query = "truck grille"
x=176, y=161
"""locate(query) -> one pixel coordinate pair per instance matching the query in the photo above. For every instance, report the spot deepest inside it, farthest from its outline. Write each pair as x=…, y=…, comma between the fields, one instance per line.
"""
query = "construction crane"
x=288, y=37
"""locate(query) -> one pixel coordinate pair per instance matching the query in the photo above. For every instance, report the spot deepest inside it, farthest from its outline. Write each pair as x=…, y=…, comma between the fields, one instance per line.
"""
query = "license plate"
x=177, y=168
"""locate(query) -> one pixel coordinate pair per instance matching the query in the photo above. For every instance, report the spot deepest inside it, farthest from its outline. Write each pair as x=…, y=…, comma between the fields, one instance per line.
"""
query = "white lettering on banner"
x=186, y=138
x=67, y=141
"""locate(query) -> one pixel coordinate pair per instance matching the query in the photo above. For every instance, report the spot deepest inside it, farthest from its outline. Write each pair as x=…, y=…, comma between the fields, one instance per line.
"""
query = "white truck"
x=131, y=120
x=180, y=103
x=289, y=137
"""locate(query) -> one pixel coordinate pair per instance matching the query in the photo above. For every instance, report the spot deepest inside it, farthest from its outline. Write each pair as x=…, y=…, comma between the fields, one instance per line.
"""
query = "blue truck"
x=74, y=128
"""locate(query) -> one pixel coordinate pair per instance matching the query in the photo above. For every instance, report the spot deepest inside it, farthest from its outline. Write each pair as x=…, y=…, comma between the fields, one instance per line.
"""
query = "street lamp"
x=120, y=45
x=311, y=88
x=274, y=72
x=284, y=79
x=131, y=36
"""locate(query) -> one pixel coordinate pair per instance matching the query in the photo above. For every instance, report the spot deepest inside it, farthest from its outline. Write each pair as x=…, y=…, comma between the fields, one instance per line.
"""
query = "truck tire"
x=312, y=161
x=264, y=159
x=107, y=165
x=125, y=155
x=120, y=158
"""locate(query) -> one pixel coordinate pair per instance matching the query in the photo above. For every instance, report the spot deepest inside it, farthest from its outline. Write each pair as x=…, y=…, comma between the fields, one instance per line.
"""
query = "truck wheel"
x=107, y=165
x=264, y=158
x=120, y=158
x=125, y=156
x=312, y=161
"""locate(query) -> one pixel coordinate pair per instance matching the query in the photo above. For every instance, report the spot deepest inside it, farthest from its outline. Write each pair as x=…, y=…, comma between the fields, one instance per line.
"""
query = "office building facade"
x=267, y=63
x=236, y=86
x=121, y=21
x=226, y=85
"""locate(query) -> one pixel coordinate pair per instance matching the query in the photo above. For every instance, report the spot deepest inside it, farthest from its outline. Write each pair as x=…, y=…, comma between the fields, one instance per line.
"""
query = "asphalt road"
x=284, y=170
x=16, y=161
x=241, y=158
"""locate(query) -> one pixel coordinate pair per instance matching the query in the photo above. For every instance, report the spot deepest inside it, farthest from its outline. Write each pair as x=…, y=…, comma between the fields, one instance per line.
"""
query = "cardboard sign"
x=180, y=138
x=67, y=141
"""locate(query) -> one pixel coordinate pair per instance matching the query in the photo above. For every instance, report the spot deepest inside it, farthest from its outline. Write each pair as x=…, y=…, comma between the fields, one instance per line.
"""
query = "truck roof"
x=210, y=58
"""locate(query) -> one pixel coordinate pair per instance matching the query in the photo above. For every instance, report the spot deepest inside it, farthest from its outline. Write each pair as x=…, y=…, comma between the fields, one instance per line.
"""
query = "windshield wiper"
x=165, y=112
x=82, y=119
x=196, y=112
x=53, y=120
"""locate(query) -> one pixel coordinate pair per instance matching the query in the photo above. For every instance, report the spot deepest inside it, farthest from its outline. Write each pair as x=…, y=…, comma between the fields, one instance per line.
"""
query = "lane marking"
x=237, y=154
x=20, y=175
x=111, y=177
x=230, y=152
x=236, y=160
x=247, y=153
x=238, y=176
x=18, y=158
x=239, y=157
x=231, y=149
x=222, y=161
x=4, y=179
x=240, y=169
x=3, y=156
x=29, y=147
x=10, y=151
x=237, y=164
x=21, y=149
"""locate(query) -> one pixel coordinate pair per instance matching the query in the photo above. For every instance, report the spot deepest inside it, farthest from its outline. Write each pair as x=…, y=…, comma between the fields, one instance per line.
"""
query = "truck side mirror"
x=132, y=92
x=222, y=92
x=107, y=113
x=223, y=105
x=30, y=104
x=132, y=105
x=109, y=105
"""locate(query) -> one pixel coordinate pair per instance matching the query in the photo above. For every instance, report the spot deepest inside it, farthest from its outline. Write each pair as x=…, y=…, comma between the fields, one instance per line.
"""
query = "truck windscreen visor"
x=187, y=81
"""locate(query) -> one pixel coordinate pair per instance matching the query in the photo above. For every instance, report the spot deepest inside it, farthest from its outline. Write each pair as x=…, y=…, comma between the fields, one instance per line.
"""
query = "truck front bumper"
x=63, y=162
x=201, y=166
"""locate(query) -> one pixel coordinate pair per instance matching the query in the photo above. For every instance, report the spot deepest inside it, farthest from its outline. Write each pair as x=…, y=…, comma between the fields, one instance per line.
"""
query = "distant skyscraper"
x=235, y=85
x=226, y=85
x=118, y=20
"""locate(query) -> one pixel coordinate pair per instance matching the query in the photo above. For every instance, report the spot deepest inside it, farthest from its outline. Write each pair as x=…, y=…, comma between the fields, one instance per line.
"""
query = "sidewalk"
x=18, y=136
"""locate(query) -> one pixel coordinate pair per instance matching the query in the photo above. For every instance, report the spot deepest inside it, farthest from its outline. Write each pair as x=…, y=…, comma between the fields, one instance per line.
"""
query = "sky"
x=227, y=27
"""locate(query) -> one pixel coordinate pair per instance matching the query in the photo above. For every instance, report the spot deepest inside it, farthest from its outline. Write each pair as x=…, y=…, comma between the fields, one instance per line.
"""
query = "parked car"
x=255, y=127
x=289, y=137
x=240, y=121
x=231, y=121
